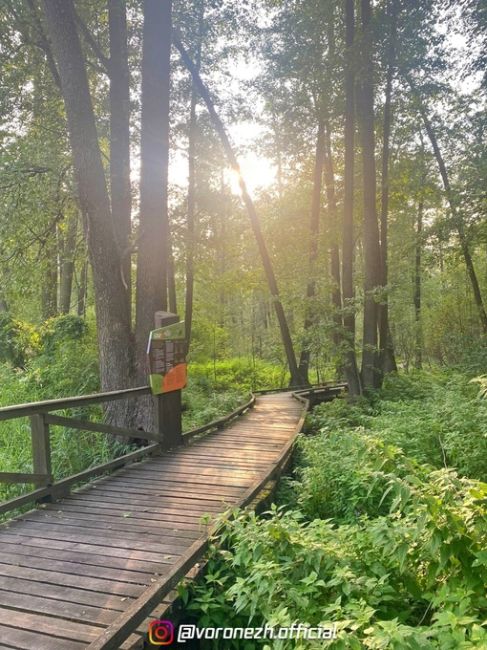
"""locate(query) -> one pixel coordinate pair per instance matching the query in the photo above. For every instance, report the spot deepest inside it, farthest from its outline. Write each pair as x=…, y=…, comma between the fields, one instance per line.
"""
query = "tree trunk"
x=171, y=277
x=112, y=311
x=457, y=216
x=336, y=295
x=314, y=229
x=49, y=278
x=82, y=290
x=191, y=226
x=120, y=137
x=417, y=284
x=372, y=263
x=348, y=291
x=296, y=378
x=387, y=358
x=154, y=154
x=153, y=245
x=67, y=264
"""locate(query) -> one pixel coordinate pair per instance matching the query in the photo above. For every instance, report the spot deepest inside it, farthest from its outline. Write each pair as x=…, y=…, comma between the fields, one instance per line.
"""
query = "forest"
x=304, y=183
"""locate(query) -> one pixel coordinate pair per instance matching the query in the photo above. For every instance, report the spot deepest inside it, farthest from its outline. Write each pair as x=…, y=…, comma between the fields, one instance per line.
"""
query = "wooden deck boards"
x=69, y=569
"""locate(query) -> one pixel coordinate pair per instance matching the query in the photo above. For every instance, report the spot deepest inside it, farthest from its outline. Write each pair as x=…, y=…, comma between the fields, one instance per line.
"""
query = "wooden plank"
x=217, y=494
x=166, y=528
x=54, y=627
x=22, y=410
x=145, y=517
x=52, y=531
x=94, y=548
x=27, y=547
x=189, y=503
x=175, y=470
x=72, y=567
x=219, y=481
x=164, y=500
x=97, y=527
x=100, y=427
x=203, y=463
x=26, y=640
x=41, y=449
x=65, y=594
x=138, y=609
x=223, y=452
x=56, y=608
x=18, y=477
x=100, y=585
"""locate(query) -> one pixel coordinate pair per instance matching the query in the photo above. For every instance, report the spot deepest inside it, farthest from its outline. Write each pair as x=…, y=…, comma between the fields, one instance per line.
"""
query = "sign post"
x=166, y=353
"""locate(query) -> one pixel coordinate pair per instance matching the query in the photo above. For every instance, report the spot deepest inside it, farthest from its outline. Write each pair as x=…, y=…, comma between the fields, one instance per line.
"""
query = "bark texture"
x=112, y=311
x=120, y=190
x=387, y=358
x=372, y=260
x=348, y=252
x=314, y=230
x=154, y=153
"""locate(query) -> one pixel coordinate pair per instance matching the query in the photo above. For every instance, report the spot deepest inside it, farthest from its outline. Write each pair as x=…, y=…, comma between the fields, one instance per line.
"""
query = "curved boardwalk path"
x=88, y=570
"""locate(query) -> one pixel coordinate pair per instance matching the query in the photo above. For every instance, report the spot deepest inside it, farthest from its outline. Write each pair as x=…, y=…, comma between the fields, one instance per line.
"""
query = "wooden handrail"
x=42, y=478
x=39, y=413
x=46, y=406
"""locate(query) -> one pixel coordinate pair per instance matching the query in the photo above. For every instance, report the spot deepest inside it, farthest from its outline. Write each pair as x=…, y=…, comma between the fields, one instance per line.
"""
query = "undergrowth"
x=373, y=534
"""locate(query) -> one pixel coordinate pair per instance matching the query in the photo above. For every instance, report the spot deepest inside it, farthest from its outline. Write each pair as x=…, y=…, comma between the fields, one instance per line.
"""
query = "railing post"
x=168, y=418
x=167, y=406
x=41, y=448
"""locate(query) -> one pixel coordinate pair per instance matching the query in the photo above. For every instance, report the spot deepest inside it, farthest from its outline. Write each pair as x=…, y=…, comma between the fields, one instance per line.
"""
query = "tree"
x=120, y=190
x=348, y=291
x=314, y=229
x=112, y=310
x=296, y=379
x=455, y=209
x=192, y=135
x=370, y=236
x=387, y=361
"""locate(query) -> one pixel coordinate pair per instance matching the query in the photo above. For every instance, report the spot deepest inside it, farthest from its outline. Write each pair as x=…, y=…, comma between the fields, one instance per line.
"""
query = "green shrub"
x=18, y=341
x=410, y=579
x=239, y=373
x=385, y=545
x=435, y=418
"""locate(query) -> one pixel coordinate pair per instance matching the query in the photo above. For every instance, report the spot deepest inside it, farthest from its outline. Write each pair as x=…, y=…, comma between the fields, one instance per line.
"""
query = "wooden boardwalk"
x=87, y=570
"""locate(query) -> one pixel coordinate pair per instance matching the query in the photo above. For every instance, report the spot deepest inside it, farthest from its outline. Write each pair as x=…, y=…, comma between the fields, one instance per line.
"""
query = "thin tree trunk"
x=417, y=284
x=348, y=254
x=387, y=358
x=67, y=265
x=154, y=154
x=254, y=219
x=82, y=290
x=336, y=294
x=121, y=198
x=222, y=258
x=49, y=303
x=191, y=226
x=171, y=277
x=372, y=263
x=112, y=311
x=314, y=229
x=457, y=217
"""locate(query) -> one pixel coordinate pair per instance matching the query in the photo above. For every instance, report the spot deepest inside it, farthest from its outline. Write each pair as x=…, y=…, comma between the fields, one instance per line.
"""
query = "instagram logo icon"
x=161, y=632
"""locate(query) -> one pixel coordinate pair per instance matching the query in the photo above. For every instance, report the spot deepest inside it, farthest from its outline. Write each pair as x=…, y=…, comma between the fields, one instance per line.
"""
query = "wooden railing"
x=41, y=415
